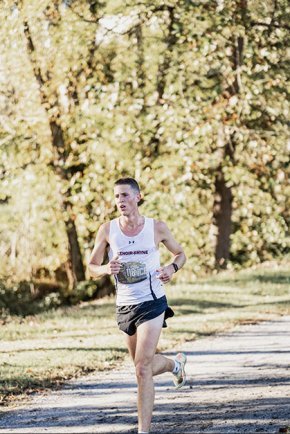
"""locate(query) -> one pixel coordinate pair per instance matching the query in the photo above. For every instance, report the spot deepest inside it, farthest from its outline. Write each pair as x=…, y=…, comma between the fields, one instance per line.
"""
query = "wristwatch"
x=175, y=266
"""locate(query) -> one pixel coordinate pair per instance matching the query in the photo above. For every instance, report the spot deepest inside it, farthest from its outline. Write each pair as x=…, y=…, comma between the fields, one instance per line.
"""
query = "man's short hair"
x=129, y=181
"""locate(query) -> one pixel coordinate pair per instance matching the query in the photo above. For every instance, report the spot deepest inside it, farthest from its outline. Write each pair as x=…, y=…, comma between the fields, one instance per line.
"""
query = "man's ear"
x=141, y=200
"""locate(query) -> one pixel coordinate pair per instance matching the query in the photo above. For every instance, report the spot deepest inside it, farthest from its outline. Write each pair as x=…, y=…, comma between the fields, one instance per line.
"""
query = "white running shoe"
x=179, y=379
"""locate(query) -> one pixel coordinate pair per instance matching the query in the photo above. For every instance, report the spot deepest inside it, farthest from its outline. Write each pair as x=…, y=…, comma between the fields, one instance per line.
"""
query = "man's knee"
x=143, y=368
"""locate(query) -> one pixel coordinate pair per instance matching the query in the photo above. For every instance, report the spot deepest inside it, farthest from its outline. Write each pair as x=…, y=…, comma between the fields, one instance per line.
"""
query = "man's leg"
x=160, y=363
x=147, y=339
x=131, y=342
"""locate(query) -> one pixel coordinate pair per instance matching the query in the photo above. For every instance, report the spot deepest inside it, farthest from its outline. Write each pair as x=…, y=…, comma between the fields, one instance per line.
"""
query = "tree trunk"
x=74, y=266
x=222, y=216
x=222, y=212
x=75, y=256
x=76, y=271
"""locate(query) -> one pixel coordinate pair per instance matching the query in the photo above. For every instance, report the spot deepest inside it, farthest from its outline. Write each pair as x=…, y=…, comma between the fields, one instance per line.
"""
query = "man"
x=131, y=242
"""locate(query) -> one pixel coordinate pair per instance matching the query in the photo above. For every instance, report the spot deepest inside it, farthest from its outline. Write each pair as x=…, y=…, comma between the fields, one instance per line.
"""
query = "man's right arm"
x=95, y=266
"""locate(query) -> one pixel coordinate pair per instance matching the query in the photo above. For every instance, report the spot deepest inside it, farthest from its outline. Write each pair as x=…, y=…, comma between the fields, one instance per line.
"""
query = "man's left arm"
x=164, y=235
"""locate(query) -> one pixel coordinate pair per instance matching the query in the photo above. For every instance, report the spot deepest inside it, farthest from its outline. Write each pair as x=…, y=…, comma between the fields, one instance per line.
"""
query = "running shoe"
x=179, y=379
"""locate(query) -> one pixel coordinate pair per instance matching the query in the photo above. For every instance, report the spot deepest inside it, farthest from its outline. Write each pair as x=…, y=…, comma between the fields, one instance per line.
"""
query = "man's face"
x=126, y=199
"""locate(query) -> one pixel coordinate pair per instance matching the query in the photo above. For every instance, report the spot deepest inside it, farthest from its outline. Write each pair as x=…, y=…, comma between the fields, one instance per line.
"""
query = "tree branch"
x=31, y=49
x=85, y=20
x=277, y=26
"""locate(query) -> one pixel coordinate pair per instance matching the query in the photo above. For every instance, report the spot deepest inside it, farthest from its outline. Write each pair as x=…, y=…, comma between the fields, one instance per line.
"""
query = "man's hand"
x=165, y=273
x=113, y=267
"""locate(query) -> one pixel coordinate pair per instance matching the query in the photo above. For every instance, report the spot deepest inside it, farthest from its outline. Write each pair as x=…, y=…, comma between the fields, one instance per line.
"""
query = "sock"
x=143, y=432
x=176, y=367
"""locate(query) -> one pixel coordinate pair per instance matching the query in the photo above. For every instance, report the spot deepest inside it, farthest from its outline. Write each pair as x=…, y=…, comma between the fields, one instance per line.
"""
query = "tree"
x=188, y=97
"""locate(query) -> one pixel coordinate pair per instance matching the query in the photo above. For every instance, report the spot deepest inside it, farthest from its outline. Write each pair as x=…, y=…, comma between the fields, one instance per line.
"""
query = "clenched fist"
x=165, y=273
x=113, y=267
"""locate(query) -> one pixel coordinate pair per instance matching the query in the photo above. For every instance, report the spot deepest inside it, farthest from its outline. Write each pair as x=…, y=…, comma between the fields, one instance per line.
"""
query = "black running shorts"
x=129, y=317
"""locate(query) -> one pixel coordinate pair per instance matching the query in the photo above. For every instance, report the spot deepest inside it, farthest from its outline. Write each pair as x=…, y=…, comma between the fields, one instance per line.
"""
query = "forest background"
x=188, y=97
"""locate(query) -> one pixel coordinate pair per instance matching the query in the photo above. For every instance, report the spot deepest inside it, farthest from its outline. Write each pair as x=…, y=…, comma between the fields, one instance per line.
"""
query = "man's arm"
x=95, y=266
x=163, y=235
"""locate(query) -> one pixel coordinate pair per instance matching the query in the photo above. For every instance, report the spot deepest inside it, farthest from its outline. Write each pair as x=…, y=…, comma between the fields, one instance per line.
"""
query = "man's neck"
x=132, y=221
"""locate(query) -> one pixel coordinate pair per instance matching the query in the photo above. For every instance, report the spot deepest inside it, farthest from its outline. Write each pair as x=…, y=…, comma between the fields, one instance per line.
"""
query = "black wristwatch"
x=175, y=266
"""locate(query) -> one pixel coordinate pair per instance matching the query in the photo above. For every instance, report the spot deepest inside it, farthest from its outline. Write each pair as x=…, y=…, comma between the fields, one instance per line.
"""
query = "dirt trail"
x=238, y=382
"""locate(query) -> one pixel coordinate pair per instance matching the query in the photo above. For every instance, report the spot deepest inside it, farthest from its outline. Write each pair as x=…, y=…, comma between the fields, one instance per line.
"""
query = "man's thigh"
x=131, y=342
x=148, y=334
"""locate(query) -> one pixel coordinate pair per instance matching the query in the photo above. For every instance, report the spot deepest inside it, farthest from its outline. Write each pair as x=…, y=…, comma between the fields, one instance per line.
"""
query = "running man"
x=131, y=242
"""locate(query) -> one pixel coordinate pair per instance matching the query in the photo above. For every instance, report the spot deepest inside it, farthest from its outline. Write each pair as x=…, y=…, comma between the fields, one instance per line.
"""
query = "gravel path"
x=238, y=382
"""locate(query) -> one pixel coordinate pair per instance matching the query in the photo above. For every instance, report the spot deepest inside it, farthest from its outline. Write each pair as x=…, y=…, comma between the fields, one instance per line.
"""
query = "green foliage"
x=24, y=299
x=170, y=93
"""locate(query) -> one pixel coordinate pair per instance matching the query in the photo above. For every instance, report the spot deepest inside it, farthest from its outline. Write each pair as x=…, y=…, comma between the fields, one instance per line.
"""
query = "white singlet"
x=136, y=282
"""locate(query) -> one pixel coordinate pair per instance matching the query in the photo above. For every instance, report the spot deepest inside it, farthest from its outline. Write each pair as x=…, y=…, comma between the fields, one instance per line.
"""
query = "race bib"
x=132, y=272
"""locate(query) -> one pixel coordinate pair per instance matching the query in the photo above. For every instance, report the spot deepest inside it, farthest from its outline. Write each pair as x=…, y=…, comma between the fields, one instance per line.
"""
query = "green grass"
x=42, y=351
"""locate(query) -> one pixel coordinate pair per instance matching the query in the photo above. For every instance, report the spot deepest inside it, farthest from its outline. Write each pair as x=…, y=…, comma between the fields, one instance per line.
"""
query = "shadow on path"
x=237, y=383
x=167, y=416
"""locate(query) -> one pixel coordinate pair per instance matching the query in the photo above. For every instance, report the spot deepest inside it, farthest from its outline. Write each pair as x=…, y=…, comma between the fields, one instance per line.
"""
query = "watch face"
x=132, y=272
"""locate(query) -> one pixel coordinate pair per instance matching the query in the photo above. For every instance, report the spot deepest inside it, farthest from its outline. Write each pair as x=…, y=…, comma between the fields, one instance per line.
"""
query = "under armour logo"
x=131, y=242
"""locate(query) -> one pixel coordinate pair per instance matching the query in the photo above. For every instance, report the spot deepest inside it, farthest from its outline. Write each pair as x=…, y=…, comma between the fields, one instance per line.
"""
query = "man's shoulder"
x=160, y=225
x=105, y=227
x=106, y=224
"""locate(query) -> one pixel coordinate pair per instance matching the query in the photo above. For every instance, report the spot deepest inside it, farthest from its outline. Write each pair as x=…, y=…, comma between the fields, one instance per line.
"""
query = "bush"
x=29, y=298
x=22, y=299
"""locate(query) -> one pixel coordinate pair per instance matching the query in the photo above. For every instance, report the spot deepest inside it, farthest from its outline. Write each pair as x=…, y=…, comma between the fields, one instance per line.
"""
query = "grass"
x=43, y=351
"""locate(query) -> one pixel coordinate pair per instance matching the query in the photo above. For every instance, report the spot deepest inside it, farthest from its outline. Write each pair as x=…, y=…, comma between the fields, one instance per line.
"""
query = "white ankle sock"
x=176, y=367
